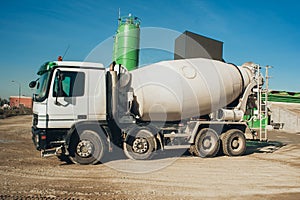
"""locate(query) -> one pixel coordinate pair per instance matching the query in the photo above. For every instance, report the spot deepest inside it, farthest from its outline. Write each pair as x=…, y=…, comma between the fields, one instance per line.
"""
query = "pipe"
x=229, y=115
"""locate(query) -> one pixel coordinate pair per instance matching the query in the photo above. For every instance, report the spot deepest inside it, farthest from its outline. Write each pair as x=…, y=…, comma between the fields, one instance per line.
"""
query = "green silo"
x=126, y=42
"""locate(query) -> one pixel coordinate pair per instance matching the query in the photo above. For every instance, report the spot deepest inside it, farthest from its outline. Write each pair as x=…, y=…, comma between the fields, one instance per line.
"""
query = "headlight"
x=37, y=139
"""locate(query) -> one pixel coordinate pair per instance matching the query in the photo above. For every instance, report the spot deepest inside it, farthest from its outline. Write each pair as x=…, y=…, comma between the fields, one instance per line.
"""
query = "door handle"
x=81, y=117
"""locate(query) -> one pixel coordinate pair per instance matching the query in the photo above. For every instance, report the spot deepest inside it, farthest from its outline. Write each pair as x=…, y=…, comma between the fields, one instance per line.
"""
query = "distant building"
x=25, y=101
x=192, y=45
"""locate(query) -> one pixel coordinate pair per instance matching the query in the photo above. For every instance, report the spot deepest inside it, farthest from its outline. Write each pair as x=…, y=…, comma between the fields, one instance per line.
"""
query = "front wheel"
x=86, y=147
x=64, y=158
x=139, y=144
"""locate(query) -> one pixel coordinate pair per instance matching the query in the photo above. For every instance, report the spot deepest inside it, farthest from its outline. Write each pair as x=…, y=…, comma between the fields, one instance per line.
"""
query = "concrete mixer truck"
x=84, y=112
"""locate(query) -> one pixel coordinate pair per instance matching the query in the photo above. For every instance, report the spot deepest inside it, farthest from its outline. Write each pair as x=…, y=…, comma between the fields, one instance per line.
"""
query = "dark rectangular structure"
x=192, y=45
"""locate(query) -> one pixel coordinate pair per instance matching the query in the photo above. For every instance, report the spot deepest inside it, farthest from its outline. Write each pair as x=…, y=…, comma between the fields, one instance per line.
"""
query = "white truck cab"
x=67, y=93
x=83, y=85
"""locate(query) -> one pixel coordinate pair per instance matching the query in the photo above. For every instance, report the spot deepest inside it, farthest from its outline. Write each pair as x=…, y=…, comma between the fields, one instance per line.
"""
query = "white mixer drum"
x=180, y=89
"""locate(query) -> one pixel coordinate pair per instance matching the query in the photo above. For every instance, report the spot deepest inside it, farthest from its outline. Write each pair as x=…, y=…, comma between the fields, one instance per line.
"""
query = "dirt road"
x=268, y=171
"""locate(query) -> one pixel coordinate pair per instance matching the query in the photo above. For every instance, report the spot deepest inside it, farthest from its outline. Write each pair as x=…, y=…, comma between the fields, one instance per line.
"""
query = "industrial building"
x=192, y=45
x=16, y=101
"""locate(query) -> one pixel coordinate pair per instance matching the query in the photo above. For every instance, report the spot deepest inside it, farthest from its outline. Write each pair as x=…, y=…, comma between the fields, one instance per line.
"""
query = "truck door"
x=67, y=98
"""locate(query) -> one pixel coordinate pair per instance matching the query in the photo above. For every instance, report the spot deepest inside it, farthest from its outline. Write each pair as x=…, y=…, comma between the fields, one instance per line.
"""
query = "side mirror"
x=60, y=78
x=60, y=75
x=32, y=84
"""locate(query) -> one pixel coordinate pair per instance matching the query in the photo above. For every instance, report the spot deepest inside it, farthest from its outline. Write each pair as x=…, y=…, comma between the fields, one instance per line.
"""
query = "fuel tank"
x=180, y=89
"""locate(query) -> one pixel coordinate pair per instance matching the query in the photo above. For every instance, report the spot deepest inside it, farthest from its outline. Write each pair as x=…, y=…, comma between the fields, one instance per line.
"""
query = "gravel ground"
x=267, y=171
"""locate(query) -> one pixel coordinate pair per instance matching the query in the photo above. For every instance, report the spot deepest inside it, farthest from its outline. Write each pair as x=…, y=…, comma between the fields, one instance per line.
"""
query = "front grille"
x=35, y=119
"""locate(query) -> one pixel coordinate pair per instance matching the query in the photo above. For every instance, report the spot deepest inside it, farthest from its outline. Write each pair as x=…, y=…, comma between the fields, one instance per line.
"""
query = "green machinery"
x=126, y=42
x=255, y=122
x=257, y=113
x=272, y=96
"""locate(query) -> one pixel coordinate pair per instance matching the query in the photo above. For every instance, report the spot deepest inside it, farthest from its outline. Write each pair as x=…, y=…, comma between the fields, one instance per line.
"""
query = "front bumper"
x=39, y=138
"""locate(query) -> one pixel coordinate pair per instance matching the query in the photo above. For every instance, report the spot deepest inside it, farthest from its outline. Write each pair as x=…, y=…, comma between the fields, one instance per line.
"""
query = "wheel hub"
x=84, y=148
x=207, y=143
x=140, y=145
x=235, y=143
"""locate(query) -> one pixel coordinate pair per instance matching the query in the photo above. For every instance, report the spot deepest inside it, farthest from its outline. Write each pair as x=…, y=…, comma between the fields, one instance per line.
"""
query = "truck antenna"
x=119, y=17
x=66, y=51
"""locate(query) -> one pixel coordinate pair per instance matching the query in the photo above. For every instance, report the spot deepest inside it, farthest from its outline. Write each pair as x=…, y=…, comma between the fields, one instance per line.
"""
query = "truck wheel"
x=234, y=143
x=207, y=143
x=139, y=144
x=86, y=147
x=65, y=159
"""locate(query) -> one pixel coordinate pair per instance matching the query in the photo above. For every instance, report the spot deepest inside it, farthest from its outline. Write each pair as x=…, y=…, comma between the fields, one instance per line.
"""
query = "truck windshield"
x=42, y=86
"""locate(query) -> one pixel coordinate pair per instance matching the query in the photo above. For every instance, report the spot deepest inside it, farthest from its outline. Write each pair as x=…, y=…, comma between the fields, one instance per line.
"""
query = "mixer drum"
x=180, y=89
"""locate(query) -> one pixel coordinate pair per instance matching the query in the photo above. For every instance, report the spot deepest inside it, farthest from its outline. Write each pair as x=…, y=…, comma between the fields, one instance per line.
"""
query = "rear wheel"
x=139, y=144
x=207, y=143
x=86, y=147
x=234, y=143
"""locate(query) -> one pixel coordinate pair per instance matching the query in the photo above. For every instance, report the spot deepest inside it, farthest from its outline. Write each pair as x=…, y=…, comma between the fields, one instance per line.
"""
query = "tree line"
x=3, y=101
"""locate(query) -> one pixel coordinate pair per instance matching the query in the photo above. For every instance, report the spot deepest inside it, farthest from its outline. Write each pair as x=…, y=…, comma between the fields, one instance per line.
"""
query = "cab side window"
x=72, y=84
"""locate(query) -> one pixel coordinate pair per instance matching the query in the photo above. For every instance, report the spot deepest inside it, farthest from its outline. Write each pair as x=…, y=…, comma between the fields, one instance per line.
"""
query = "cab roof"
x=78, y=64
x=49, y=65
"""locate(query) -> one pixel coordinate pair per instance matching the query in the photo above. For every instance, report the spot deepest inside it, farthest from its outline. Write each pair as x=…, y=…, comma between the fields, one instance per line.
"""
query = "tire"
x=139, y=144
x=86, y=147
x=65, y=159
x=234, y=143
x=207, y=143
x=221, y=153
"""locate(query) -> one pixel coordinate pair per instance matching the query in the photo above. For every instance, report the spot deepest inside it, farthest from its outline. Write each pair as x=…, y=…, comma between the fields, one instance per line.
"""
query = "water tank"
x=126, y=42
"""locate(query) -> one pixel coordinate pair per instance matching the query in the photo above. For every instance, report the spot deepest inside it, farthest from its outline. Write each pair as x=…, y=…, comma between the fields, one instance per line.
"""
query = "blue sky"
x=33, y=32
